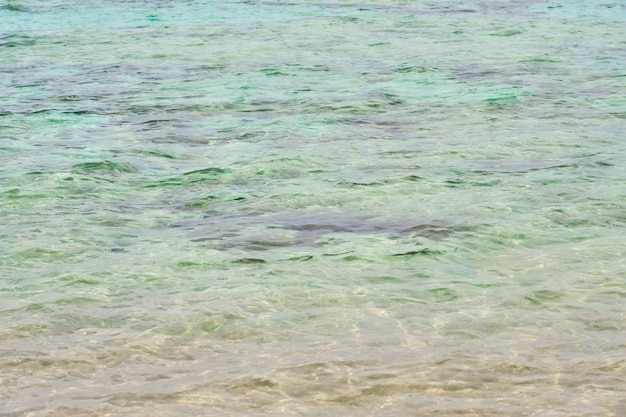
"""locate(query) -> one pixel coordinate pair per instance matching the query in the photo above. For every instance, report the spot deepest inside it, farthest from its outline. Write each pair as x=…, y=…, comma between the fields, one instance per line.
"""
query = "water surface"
x=312, y=208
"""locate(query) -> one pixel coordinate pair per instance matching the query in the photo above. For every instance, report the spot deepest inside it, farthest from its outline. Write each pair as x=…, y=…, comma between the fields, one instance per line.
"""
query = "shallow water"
x=312, y=208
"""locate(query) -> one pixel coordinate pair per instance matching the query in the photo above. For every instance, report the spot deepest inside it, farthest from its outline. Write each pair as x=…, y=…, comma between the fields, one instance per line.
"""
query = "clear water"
x=386, y=208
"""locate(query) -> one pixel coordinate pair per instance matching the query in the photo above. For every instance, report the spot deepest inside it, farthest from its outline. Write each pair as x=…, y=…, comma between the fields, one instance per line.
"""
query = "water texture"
x=334, y=207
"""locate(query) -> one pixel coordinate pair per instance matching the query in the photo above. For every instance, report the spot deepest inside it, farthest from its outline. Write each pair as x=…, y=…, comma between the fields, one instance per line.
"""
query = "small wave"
x=15, y=8
x=12, y=41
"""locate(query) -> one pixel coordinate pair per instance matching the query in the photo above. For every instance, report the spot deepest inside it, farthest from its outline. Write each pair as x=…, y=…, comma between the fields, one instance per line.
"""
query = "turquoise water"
x=385, y=208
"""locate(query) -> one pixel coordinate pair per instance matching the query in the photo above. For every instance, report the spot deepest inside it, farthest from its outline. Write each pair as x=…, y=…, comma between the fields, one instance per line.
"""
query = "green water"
x=322, y=208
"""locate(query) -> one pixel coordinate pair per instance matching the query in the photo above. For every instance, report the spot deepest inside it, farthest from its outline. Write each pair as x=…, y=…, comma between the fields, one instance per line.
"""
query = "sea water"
x=316, y=208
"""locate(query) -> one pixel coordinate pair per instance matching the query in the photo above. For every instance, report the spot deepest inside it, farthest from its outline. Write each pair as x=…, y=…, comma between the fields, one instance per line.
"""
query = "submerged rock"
x=312, y=228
